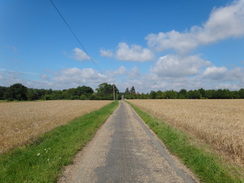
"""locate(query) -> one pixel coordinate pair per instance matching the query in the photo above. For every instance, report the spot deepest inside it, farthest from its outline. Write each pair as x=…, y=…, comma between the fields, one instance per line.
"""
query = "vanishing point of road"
x=125, y=150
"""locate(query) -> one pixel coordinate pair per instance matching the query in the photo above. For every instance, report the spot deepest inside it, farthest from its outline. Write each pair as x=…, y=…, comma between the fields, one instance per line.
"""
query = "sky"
x=148, y=44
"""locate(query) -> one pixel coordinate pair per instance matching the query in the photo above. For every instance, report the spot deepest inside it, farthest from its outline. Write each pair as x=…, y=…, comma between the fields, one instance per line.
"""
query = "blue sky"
x=152, y=45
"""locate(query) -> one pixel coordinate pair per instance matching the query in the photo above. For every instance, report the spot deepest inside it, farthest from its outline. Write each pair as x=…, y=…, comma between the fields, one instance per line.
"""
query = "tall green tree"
x=3, y=92
x=193, y=94
x=153, y=95
x=32, y=94
x=241, y=93
x=106, y=91
x=127, y=91
x=182, y=94
x=84, y=90
x=171, y=94
x=159, y=94
x=16, y=92
x=133, y=90
x=202, y=93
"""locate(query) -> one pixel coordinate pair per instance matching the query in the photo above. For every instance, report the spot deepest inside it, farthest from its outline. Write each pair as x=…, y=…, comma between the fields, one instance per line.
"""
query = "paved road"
x=125, y=150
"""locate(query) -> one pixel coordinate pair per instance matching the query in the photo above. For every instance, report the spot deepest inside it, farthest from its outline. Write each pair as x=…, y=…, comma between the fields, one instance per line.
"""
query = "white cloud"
x=224, y=22
x=135, y=73
x=80, y=55
x=176, y=66
x=125, y=52
x=223, y=74
x=133, y=53
x=172, y=73
x=227, y=86
x=215, y=73
x=106, y=53
x=121, y=71
x=180, y=42
x=236, y=74
x=74, y=77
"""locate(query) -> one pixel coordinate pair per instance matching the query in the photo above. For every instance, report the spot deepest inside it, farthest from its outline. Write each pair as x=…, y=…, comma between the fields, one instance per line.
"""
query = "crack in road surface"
x=125, y=150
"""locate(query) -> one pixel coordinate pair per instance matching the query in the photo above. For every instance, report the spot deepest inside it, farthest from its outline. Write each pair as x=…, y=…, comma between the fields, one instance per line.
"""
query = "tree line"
x=184, y=94
x=107, y=91
x=19, y=92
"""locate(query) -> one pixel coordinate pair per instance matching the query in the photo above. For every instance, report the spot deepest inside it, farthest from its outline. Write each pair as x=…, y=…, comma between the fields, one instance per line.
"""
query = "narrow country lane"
x=125, y=150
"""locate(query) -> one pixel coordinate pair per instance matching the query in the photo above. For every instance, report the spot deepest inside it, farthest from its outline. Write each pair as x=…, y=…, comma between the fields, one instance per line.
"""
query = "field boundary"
x=43, y=160
x=207, y=166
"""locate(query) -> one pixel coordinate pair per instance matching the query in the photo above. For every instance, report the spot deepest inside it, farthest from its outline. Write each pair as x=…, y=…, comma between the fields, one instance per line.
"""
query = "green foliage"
x=208, y=167
x=202, y=93
x=182, y=94
x=130, y=94
x=153, y=95
x=20, y=92
x=241, y=93
x=76, y=93
x=171, y=94
x=83, y=97
x=42, y=161
x=144, y=96
x=159, y=95
x=191, y=94
x=133, y=90
x=16, y=92
x=107, y=91
x=127, y=91
x=3, y=92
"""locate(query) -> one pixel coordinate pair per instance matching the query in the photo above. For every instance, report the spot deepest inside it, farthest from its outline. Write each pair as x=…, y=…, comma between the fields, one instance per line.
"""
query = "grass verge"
x=42, y=161
x=207, y=166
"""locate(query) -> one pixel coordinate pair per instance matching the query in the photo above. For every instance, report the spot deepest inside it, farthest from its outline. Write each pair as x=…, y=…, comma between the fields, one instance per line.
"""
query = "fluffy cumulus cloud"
x=66, y=78
x=9, y=77
x=121, y=71
x=215, y=73
x=200, y=80
x=133, y=53
x=80, y=55
x=223, y=74
x=106, y=53
x=74, y=77
x=180, y=42
x=169, y=72
x=224, y=22
x=126, y=52
x=176, y=66
x=222, y=77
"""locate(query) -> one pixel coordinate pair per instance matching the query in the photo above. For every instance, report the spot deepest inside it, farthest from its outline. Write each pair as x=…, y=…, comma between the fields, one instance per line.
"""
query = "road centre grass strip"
x=206, y=166
x=43, y=160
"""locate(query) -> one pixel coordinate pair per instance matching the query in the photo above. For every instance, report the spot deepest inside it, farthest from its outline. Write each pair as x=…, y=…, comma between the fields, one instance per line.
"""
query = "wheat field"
x=219, y=123
x=22, y=122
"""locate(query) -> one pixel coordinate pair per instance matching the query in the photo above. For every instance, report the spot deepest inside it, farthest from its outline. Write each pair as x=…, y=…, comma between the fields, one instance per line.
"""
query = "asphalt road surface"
x=125, y=150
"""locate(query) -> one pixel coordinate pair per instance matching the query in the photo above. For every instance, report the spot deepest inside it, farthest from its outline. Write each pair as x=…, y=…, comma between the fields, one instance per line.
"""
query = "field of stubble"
x=22, y=122
x=219, y=123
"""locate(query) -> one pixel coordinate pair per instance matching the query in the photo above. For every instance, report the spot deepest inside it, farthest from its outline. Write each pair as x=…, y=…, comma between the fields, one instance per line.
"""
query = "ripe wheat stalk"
x=22, y=122
x=219, y=123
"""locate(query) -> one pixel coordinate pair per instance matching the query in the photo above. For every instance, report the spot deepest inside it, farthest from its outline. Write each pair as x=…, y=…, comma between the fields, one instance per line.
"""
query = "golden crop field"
x=22, y=122
x=219, y=123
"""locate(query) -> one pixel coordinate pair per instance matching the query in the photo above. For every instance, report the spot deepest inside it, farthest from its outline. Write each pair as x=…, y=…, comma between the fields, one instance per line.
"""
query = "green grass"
x=207, y=166
x=42, y=161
